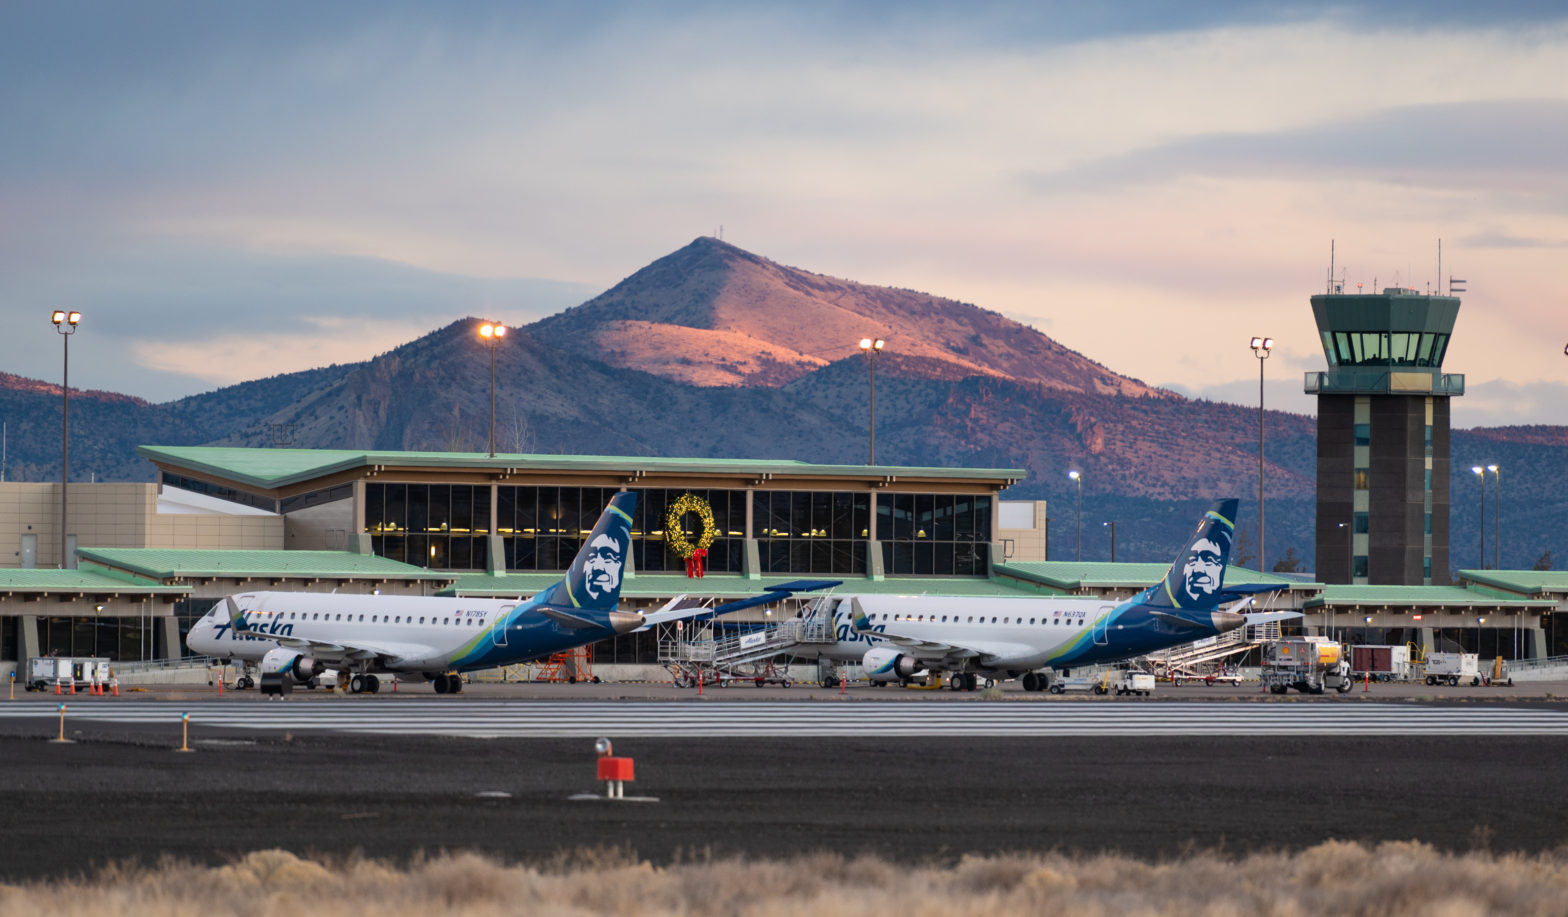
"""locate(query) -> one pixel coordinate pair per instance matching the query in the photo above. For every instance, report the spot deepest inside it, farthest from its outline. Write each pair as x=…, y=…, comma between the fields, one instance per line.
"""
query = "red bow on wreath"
x=694, y=562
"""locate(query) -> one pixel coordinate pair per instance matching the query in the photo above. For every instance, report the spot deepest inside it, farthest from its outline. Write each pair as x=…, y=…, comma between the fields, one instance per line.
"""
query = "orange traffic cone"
x=57, y=690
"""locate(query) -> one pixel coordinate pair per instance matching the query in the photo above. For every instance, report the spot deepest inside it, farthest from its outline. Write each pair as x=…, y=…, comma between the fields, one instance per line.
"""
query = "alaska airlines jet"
x=298, y=635
x=898, y=637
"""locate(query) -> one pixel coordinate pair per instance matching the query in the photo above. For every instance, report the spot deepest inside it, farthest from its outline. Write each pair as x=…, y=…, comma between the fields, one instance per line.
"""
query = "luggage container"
x=1380, y=663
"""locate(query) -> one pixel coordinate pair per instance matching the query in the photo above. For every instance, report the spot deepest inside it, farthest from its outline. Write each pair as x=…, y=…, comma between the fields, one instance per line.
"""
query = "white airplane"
x=296, y=636
x=900, y=637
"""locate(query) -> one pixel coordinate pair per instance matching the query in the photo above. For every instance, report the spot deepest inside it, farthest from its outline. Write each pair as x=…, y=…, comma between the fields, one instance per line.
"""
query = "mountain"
x=712, y=314
x=713, y=351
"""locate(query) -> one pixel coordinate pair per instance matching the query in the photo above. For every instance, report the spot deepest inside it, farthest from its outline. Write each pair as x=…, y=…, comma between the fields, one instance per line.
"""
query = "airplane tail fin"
x=1196, y=581
x=593, y=581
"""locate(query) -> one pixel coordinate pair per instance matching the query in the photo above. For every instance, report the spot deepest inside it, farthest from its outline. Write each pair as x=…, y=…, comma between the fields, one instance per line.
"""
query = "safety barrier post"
x=1366, y=683
x=62, y=737
x=13, y=686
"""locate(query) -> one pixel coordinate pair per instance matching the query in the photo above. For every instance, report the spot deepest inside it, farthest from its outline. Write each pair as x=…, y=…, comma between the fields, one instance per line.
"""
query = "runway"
x=458, y=717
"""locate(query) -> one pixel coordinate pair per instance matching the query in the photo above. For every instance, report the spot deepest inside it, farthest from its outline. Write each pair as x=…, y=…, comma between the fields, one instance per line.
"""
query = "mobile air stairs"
x=704, y=656
x=1204, y=659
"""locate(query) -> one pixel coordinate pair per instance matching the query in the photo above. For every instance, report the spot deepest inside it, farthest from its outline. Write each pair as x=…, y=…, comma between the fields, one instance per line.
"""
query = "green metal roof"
x=1068, y=575
x=1528, y=582
x=663, y=586
x=265, y=469
x=166, y=564
x=83, y=580
x=1416, y=597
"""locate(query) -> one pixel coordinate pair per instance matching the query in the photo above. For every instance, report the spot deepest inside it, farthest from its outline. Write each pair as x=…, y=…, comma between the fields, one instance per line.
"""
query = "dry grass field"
x=1343, y=879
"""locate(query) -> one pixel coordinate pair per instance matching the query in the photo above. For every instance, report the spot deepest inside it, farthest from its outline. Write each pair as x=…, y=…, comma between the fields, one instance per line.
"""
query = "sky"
x=228, y=191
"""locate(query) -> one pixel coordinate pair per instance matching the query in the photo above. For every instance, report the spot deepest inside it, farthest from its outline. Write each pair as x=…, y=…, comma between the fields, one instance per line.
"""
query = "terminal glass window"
x=107, y=636
x=542, y=528
x=811, y=531
x=439, y=526
x=934, y=534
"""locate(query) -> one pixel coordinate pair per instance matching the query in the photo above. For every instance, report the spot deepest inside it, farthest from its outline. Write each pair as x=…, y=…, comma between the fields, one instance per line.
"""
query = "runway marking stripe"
x=719, y=719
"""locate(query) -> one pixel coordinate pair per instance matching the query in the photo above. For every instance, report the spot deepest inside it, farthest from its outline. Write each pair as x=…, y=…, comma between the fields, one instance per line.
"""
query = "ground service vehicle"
x=44, y=672
x=1453, y=669
x=1134, y=683
x=1308, y=664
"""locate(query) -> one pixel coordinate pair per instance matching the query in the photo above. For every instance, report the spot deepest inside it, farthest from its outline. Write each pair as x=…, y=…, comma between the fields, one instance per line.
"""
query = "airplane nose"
x=1225, y=621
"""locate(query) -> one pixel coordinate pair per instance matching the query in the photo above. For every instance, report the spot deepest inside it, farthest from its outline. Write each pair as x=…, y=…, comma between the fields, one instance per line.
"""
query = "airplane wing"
x=672, y=612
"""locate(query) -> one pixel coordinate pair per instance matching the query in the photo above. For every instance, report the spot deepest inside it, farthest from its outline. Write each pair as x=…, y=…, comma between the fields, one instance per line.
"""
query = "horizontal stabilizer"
x=804, y=585
x=566, y=618
x=1238, y=591
x=1269, y=617
x=1176, y=620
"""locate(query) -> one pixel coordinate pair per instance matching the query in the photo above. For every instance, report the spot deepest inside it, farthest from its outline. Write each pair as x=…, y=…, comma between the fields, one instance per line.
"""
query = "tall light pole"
x=65, y=323
x=1480, y=474
x=1079, y=478
x=1261, y=348
x=1112, y=524
x=1497, y=517
x=492, y=332
x=871, y=347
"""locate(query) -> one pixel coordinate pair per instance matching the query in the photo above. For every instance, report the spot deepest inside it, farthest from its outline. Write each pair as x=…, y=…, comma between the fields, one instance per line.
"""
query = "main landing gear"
x=448, y=683
x=364, y=684
x=967, y=681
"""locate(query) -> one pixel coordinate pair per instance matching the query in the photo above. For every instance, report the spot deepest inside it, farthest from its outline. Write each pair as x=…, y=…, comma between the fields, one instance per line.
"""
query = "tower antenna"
x=1330, y=267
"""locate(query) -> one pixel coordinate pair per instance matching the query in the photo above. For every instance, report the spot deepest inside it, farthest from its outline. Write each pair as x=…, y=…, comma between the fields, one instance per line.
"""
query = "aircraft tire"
x=439, y=683
x=372, y=684
x=456, y=683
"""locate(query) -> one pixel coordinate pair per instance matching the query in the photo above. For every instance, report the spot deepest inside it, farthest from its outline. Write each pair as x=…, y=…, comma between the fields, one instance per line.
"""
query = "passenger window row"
x=943, y=619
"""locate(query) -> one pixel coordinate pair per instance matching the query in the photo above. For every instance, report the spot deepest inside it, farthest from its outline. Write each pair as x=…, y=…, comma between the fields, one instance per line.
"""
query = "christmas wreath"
x=675, y=535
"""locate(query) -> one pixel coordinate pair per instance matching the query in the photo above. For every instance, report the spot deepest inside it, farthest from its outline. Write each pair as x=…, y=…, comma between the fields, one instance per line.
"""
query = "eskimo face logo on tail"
x=1194, y=581
x=602, y=568
x=594, y=579
x=1202, y=572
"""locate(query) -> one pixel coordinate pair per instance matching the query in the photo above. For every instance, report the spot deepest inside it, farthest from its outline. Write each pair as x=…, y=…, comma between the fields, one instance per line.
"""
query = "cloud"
x=1510, y=144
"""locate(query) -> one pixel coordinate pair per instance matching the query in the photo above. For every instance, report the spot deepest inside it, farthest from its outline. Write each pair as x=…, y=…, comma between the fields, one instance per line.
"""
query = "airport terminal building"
x=142, y=561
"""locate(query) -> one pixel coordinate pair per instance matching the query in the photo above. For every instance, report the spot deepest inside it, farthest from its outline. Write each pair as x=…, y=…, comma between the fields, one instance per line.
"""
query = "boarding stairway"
x=749, y=655
x=1189, y=657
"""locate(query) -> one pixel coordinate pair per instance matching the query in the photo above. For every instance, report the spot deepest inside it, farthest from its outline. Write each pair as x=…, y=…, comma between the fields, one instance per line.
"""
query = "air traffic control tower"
x=1383, y=436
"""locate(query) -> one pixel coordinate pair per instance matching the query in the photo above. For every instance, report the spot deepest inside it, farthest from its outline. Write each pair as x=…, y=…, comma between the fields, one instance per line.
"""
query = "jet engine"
x=296, y=665
x=882, y=664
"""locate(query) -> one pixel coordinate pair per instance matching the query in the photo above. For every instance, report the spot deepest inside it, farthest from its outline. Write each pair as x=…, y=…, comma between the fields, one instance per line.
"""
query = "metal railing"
x=159, y=665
